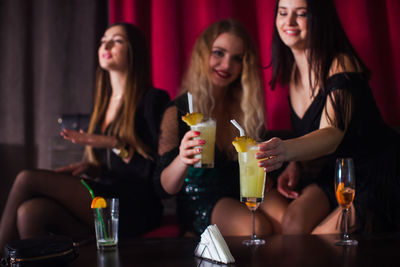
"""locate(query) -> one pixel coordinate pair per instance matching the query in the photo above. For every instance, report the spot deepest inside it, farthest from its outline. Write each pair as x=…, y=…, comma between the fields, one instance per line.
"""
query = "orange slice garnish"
x=98, y=203
x=192, y=118
x=242, y=143
x=339, y=190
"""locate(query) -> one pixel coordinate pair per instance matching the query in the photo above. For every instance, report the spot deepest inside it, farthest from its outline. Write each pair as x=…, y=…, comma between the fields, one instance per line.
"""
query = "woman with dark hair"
x=334, y=115
x=224, y=79
x=121, y=146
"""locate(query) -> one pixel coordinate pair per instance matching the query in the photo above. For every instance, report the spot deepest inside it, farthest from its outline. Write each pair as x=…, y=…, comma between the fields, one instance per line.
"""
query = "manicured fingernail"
x=202, y=142
x=197, y=133
x=199, y=150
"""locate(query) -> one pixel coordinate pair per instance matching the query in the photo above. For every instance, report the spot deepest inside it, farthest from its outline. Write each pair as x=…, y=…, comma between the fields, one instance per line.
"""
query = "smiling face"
x=113, y=50
x=225, y=63
x=291, y=23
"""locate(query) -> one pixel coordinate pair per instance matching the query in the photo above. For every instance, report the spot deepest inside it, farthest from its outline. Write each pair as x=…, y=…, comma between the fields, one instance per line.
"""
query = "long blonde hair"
x=138, y=82
x=248, y=86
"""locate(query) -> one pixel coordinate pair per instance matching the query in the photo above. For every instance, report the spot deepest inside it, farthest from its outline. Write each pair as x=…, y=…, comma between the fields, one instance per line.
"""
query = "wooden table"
x=279, y=250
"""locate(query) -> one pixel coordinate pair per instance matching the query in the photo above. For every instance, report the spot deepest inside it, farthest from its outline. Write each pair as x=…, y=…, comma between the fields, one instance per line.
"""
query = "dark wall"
x=47, y=67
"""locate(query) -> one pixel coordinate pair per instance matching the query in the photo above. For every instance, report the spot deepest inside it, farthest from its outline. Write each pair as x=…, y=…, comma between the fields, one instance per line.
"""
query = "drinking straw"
x=190, y=102
x=97, y=209
x=241, y=130
x=88, y=188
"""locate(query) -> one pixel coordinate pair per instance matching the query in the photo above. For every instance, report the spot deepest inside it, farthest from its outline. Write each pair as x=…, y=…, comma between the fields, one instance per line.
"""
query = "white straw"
x=238, y=127
x=190, y=101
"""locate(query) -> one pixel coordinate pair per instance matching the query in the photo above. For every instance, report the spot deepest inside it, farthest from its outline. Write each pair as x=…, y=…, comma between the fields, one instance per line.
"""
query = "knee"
x=293, y=222
x=262, y=225
x=29, y=218
x=23, y=179
x=25, y=212
x=234, y=219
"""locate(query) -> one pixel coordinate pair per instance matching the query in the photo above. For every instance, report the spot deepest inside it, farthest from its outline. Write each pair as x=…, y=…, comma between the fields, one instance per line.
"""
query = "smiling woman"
x=223, y=76
x=225, y=60
x=334, y=115
x=291, y=23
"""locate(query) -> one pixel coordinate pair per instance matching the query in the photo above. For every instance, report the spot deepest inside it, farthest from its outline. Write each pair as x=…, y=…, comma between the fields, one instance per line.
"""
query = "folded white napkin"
x=212, y=246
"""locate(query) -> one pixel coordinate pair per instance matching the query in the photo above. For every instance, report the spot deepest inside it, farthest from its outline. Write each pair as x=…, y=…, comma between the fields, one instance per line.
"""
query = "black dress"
x=140, y=208
x=202, y=187
x=374, y=147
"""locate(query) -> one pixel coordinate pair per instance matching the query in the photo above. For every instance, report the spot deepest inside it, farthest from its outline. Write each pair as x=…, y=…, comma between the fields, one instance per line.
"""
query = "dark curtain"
x=47, y=67
x=172, y=27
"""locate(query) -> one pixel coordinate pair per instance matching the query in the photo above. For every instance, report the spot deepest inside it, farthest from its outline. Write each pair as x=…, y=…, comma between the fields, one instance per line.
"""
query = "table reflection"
x=108, y=258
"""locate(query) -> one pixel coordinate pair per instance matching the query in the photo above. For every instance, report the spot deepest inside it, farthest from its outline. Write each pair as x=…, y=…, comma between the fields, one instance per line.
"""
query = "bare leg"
x=66, y=190
x=305, y=212
x=332, y=223
x=39, y=216
x=274, y=207
x=234, y=218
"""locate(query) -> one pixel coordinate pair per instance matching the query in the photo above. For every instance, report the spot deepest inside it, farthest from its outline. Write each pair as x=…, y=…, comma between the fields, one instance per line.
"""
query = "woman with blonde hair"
x=224, y=79
x=121, y=146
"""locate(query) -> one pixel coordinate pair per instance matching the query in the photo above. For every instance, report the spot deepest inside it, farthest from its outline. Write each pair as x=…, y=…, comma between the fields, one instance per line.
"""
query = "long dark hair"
x=138, y=82
x=326, y=41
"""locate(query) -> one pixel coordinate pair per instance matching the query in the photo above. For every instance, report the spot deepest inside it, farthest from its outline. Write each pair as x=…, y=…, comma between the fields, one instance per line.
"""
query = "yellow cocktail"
x=252, y=178
x=207, y=129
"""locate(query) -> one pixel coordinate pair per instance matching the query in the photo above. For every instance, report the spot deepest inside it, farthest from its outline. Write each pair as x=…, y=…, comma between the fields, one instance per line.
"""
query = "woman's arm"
x=172, y=176
x=100, y=141
x=80, y=168
x=315, y=144
x=318, y=143
x=83, y=138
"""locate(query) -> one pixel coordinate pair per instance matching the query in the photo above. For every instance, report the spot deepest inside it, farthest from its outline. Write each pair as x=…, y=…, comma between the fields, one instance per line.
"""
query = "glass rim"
x=250, y=148
x=206, y=121
x=345, y=159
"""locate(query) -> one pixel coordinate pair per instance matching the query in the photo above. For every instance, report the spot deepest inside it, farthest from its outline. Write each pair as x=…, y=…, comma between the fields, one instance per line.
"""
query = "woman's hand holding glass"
x=189, y=147
x=272, y=154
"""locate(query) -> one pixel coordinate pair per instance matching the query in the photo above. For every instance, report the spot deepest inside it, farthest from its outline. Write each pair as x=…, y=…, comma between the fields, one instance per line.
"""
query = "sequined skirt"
x=202, y=189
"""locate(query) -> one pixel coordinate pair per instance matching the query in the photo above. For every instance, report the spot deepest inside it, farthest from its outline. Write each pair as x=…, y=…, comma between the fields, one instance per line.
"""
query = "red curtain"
x=172, y=26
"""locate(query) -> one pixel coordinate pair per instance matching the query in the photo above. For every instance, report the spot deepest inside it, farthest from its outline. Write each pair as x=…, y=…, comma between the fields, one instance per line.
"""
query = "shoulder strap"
x=344, y=80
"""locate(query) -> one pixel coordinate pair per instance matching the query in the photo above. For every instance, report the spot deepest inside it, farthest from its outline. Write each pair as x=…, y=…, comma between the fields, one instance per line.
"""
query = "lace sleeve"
x=169, y=135
x=168, y=147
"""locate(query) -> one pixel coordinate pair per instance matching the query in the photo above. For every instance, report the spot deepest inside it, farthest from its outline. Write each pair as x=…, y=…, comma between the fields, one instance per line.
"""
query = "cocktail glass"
x=345, y=189
x=252, y=182
x=207, y=129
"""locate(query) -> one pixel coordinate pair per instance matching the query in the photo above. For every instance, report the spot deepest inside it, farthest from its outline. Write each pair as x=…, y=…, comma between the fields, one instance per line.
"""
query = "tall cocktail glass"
x=252, y=182
x=207, y=129
x=345, y=189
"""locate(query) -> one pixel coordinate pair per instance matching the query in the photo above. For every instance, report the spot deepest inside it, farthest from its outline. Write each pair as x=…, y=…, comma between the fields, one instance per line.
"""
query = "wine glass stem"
x=253, y=234
x=345, y=235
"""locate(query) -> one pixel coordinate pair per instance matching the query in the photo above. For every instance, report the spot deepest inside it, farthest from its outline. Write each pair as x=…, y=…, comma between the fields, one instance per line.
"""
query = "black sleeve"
x=153, y=105
x=163, y=162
